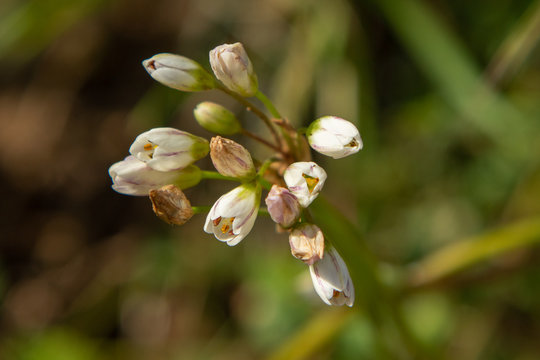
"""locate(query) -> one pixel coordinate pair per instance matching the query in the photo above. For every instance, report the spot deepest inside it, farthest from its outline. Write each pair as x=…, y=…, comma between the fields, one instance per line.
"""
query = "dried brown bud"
x=171, y=205
x=307, y=243
x=231, y=159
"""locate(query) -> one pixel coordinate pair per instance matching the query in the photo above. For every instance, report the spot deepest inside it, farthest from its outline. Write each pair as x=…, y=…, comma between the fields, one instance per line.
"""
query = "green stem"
x=268, y=104
x=265, y=166
x=201, y=209
x=261, y=140
x=265, y=184
x=264, y=212
x=254, y=109
x=216, y=176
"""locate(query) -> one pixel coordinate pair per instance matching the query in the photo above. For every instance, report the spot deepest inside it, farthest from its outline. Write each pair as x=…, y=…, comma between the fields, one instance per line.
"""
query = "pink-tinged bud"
x=171, y=205
x=331, y=279
x=231, y=159
x=232, y=67
x=179, y=72
x=133, y=177
x=307, y=243
x=305, y=180
x=283, y=206
x=334, y=137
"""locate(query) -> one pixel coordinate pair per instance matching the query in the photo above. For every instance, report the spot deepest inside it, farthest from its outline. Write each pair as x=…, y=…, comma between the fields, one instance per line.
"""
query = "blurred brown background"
x=86, y=273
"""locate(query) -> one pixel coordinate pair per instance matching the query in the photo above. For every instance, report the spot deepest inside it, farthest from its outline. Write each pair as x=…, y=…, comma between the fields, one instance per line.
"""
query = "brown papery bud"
x=231, y=159
x=171, y=205
x=307, y=243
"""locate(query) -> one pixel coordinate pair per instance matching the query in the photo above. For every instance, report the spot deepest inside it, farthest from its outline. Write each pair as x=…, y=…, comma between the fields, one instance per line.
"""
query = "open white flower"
x=331, y=279
x=233, y=214
x=334, y=137
x=179, y=72
x=133, y=177
x=232, y=67
x=305, y=180
x=166, y=149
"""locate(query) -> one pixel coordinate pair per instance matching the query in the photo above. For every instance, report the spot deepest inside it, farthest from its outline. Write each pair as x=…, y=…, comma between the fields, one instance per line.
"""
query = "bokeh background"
x=440, y=211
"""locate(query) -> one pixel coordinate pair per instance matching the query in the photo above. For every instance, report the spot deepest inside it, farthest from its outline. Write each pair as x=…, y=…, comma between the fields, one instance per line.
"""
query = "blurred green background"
x=440, y=211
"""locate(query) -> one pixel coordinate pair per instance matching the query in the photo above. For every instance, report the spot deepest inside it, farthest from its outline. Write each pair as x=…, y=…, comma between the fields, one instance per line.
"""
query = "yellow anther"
x=226, y=225
x=311, y=182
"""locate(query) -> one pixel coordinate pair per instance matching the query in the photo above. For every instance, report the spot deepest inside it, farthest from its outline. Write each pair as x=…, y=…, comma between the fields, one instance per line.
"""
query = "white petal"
x=133, y=177
x=242, y=203
x=170, y=149
x=331, y=274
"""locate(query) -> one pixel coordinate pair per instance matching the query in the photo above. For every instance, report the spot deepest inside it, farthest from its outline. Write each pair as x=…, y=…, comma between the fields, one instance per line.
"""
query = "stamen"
x=336, y=293
x=150, y=147
x=226, y=225
x=311, y=182
x=353, y=143
x=216, y=221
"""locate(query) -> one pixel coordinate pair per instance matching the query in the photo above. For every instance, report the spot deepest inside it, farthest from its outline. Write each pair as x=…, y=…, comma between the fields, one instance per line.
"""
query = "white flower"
x=331, y=279
x=305, y=180
x=233, y=214
x=307, y=243
x=334, y=136
x=166, y=149
x=283, y=206
x=232, y=67
x=133, y=177
x=179, y=72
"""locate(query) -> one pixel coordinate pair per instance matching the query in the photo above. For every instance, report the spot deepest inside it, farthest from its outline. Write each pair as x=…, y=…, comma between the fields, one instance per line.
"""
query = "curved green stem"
x=216, y=176
x=261, y=140
x=254, y=109
x=268, y=104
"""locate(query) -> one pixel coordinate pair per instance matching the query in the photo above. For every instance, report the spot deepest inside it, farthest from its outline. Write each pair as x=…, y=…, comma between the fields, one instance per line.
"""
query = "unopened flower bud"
x=307, y=243
x=305, y=180
x=179, y=72
x=133, y=177
x=171, y=205
x=166, y=149
x=283, y=206
x=232, y=67
x=231, y=159
x=334, y=136
x=216, y=118
x=331, y=279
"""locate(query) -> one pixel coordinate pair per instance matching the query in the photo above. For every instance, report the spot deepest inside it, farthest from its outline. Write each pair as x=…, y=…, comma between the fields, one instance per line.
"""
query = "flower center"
x=311, y=182
x=225, y=224
x=352, y=144
x=149, y=148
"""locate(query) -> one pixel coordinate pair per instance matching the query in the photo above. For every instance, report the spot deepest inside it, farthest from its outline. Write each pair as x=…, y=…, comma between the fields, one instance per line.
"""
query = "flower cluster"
x=161, y=164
